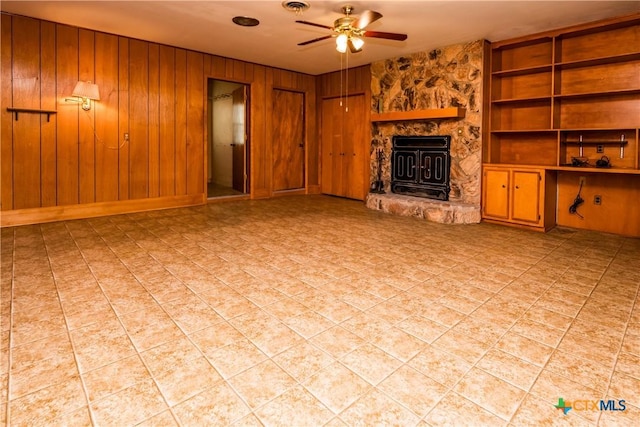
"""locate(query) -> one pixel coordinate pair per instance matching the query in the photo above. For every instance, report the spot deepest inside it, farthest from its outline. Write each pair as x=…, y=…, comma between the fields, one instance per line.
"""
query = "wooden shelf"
x=15, y=111
x=598, y=61
x=519, y=100
x=522, y=71
x=436, y=113
x=595, y=94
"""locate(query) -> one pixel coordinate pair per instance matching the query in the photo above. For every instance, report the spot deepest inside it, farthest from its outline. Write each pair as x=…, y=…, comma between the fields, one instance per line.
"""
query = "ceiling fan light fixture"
x=357, y=43
x=341, y=43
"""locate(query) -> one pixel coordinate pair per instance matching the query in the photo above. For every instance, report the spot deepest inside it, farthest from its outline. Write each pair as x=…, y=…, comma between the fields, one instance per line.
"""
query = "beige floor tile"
x=507, y=367
x=235, y=358
x=493, y=394
x=100, y=344
x=230, y=278
x=413, y=390
x=181, y=381
x=129, y=406
x=462, y=345
x=295, y=407
x=629, y=364
x=45, y=406
x=115, y=377
x=163, y=419
x=524, y=348
x=590, y=373
x=336, y=387
x=337, y=341
x=214, y=337
x=443, y=315
x=150, y=327
x=375, y=408
x=303, y=360
x=191, y=314
x=309, y=324
x=399, y=343
x=218, y=405
x=422, y=328
x=366, y=326
x=455, y=410
x=261, y=383
x=371, y=363
x=446, y=368
x=538, y=331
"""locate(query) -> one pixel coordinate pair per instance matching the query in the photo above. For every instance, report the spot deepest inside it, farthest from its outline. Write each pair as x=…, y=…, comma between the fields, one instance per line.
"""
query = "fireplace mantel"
x=433, y=113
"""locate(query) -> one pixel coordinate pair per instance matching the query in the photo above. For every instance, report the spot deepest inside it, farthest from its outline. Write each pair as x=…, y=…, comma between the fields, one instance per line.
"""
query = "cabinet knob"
x=504, y=186
x=517, y=187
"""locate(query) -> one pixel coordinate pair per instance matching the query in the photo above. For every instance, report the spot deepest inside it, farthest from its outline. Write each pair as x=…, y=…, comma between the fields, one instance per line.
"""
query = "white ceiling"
x=206, y=25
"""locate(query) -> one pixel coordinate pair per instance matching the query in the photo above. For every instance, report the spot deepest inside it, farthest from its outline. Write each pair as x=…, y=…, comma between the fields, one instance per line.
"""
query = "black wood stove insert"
x=420, y=166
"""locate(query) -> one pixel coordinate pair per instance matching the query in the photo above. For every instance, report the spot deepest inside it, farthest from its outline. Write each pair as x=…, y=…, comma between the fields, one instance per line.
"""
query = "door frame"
x=248, y=125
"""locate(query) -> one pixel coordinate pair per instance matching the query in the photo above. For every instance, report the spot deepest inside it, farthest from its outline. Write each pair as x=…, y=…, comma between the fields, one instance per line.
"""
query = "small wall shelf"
x=15, y=112
x=435, y=113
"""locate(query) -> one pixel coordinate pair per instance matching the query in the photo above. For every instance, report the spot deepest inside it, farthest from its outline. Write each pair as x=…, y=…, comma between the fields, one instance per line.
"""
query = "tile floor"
x=310, y=311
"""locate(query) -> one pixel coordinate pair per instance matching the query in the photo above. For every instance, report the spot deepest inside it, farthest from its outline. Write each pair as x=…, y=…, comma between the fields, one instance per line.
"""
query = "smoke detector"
x=296, y=6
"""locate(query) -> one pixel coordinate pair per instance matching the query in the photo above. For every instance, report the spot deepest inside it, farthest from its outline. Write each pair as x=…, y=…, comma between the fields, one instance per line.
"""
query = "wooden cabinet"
x=344, y=147
x=521, y=196
x=560, y=101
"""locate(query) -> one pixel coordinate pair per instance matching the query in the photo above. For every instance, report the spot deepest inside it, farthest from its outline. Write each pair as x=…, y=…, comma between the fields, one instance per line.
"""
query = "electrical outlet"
x=583, y=180
x=126, y=136
x=599, y=148
x=597, y=199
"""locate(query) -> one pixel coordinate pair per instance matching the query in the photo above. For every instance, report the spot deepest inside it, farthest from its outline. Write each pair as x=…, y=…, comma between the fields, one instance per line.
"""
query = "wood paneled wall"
x=154, y=93
x=354, y=81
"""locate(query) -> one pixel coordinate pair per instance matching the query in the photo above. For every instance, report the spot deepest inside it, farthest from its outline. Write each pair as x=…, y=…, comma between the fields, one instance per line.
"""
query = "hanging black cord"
x=577, y=202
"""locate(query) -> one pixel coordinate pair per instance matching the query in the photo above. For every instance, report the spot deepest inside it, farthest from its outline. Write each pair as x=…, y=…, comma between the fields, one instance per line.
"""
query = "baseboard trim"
x=91, y=210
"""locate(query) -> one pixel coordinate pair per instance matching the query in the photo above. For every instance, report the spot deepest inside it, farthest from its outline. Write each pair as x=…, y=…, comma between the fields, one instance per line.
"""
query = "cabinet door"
x=496, y=193
x=353, y=148
x=332, y=147
x=526, y=196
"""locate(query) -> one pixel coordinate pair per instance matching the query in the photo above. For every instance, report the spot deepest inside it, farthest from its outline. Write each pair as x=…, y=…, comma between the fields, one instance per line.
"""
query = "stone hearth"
x=429, y=209
x=447, y=77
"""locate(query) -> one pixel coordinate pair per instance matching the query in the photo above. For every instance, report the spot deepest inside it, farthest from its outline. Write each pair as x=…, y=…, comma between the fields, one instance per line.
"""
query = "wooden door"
x=239, y=146
x=526, y=196
x=332, y=123
x=288, y=140
x=353, y=148
x=495, y=193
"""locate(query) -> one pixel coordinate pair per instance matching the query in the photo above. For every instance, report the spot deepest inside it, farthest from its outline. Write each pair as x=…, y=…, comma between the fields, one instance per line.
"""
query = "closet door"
x=332, y=120
x=344, y=147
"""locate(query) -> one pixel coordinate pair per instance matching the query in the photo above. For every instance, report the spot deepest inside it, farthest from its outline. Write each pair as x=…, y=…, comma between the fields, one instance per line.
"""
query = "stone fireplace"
x=420, y=166
x=448, y=77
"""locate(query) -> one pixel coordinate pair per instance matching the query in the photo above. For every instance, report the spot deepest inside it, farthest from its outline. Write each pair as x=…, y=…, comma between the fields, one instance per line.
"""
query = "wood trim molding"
x=90, y=210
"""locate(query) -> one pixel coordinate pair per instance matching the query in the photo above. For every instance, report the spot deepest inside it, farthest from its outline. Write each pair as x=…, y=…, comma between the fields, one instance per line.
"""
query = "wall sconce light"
x=84, y=92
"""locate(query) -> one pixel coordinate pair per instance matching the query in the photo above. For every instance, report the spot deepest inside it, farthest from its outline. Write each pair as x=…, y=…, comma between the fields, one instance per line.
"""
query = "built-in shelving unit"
x=568, y=94
x=435, y=113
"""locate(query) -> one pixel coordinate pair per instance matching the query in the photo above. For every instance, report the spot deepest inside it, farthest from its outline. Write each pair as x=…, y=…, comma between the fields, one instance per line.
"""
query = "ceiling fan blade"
x=383, y=35
x=314, y=40
x=314, y=24
x=366, y=18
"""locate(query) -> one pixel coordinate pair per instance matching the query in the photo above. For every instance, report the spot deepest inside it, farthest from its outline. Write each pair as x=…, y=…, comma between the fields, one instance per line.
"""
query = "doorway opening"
x=228, y=141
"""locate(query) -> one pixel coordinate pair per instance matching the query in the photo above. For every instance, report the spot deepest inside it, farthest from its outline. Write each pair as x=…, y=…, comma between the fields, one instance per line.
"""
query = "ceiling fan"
x=350, y=30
